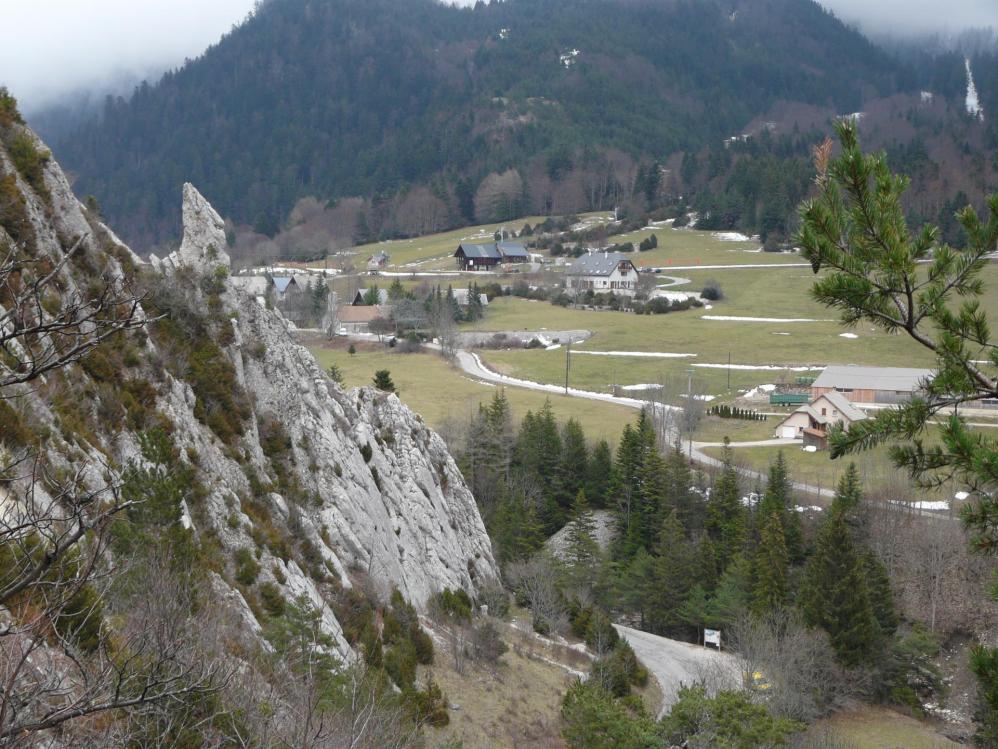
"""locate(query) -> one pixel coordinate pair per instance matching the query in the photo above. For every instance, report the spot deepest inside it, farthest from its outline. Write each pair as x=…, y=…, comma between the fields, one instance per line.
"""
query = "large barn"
x=487, y=256
x=872, y=384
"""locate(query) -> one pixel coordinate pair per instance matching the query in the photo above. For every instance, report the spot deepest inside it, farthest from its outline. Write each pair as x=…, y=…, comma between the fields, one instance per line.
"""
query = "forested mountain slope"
x=334, y=98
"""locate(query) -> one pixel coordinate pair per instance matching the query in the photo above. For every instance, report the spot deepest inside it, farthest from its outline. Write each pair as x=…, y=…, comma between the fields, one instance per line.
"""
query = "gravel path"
x=676, y=664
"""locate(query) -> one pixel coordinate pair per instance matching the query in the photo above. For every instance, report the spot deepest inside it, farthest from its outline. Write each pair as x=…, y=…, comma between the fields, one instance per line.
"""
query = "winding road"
x=676, y=664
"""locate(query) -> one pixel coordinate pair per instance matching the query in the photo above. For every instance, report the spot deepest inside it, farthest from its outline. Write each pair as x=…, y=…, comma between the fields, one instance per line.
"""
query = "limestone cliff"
x=351, y=483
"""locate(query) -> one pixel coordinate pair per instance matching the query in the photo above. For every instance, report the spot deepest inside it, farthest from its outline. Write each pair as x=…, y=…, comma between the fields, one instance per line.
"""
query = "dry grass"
x=442, y=394
x=880, y=728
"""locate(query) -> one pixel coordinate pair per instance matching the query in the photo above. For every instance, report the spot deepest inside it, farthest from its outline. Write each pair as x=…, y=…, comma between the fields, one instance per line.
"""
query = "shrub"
x=601, y=637
x=486, y=644
x=366, y=452
x=454, y=604
x=428, y=706
x=247, y=567
x=400, y=663
x=712, y=291
x=273, y=601
x=383, y=381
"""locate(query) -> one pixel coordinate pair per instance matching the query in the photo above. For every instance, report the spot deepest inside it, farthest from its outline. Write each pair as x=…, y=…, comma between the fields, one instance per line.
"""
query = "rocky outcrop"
x=203, y=246
x=362, y=489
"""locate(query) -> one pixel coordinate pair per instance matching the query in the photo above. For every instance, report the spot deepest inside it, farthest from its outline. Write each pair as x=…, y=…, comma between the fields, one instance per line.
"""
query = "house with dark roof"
x=602, y=273
x=350, y=319
x=378, y=260
x=812, y=421
x=487, y=256
x=872, y=384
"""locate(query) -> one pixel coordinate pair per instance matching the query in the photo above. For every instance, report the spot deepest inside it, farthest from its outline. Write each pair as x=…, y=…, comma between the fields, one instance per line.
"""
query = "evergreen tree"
x=573, y=469
x=881, y=595
x=678, y=495
x=372, y=296
x=582, y=553
x=673, y=574
x=646, y=517
x=835, y=594
x=515, y=528
x=538, y=455
x=779, y=498
x=771, y=562
x=383, y=381
x=706, y=563
x=636, y=586
x=733, y=595
x=598, y=474
x=725, y=512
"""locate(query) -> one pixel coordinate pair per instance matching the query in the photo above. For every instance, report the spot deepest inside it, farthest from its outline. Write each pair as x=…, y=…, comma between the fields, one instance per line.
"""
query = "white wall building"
x=603, y=272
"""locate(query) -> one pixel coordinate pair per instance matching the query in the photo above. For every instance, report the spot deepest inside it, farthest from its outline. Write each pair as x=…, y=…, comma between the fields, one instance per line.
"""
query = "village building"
x=463, y=296
x=378, y=260
x=487, y=256
x=351, y=319
x=602, y=272
x=811, y=422
x=287, y=290
x=884, y=385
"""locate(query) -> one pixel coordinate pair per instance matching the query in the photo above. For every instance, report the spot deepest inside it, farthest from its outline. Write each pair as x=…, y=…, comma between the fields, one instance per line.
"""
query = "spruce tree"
x=646, y=518
x=779, y=498
x=770, y=566
x=598, y=474
x=573, y=467
x=678, y=481
x=725, y=512
x=835, y=594
x=733, y=595
x=673, y=573
x=636, y=586
x=881, y=596
x=582, y=553
x=706, y=563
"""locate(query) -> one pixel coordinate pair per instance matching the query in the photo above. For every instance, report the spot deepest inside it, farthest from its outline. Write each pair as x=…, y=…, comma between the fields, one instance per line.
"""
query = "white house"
x=602, y=272
x=812, y=421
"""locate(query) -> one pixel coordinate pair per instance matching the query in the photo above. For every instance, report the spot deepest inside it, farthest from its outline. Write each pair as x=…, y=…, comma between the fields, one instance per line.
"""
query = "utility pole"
x=729, y=371
x=568, y=363
x=689, y=395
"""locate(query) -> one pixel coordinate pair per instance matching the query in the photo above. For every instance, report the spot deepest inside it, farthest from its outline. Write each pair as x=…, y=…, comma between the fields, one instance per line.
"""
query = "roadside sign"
x=712, y=637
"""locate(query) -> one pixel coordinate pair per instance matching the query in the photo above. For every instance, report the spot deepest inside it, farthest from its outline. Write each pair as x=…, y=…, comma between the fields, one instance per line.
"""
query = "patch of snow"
x=926, y=505
x=848, y=335
x=974, y=108
x=961, y=496
x=780, y=332
x=758, y=367
x=553, y=347
x=927, y=97
x=708, y=306
x=751, y=499
x=734, y=318
x=810, y=449
x=646, y=354
x=811, y=508
x=643, y=386
x=569, y=58
x=754, y=392
x=731, y=236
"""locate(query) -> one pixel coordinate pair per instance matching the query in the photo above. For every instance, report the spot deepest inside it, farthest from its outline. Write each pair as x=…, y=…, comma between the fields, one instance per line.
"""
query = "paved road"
x=676, y=663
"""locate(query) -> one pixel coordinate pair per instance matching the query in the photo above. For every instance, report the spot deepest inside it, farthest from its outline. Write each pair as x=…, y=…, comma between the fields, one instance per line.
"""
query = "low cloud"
x=916, y=17
x=54, y=47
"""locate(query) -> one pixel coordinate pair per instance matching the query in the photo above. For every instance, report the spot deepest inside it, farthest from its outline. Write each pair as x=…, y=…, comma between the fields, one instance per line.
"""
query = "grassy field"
x=434, y=251
x=690, y=247
x=715, y=429
x=440, y=393
x=880, y=728
x=878, y=475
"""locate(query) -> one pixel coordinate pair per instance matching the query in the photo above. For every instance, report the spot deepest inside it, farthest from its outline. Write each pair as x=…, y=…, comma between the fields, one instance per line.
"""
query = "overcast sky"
x=54, y=46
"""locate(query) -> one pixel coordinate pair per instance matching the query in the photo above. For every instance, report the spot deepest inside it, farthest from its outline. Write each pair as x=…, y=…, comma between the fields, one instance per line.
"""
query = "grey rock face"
x=377, y=495
x=203, y=246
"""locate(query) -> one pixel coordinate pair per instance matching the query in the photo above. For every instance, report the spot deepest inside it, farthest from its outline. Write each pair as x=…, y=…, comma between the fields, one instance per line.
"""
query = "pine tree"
x=706, y=563
x=678, y=497
x=770, y=566
x=515, y=528
x=733, y=595
x=598, y=474
x=779, y=498
x=582, y=553
x=673, y=573
x=573, y=468
x=725, y=512
x=636, y=585
x=881, y=596
x=646, y=517
x=835, y=594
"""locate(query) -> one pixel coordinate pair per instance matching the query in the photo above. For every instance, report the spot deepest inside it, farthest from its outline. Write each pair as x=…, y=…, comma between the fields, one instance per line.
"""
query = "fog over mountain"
x=65, y=46
x=915, y=17
x=103, y=46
